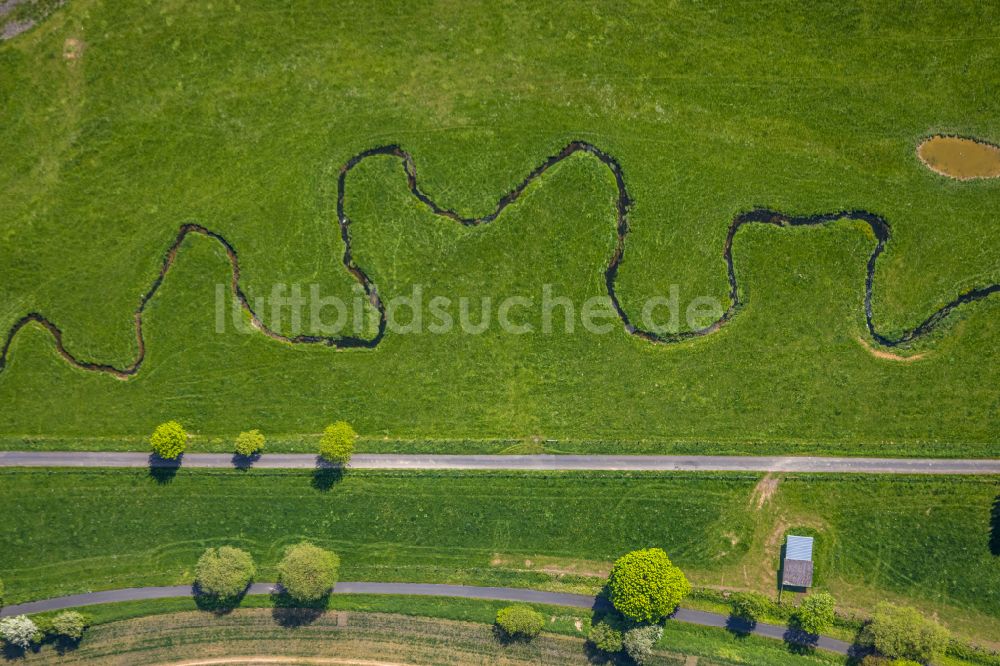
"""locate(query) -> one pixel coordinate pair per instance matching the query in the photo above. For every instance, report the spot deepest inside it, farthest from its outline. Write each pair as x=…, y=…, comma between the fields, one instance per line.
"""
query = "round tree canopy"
x=307, y=572
x=520, y=621
x=337, y=443
x=225, y=572
x=249, y=443
x=645, y=585
x=168, y=440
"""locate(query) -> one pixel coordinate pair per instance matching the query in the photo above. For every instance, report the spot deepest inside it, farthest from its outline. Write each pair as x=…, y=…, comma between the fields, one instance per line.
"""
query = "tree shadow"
x=326, y=475
x=244, y=463
x=604, y=611
x=781, y=571
x=740, y=626
x=65, y=644
x=505, y=639
x=291, y=613
x=215, y=604
x=13, y=652
x=799, y=640
x=163, y=470
x=857, y=652
x=995, y=527
x=602, y=604
x=599, y=657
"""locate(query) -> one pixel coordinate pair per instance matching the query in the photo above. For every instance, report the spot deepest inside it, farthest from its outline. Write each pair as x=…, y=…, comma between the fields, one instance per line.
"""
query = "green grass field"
x=925, y=541
x=124, y=121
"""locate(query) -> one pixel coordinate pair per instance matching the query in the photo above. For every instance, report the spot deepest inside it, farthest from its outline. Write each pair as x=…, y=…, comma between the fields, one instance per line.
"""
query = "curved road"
x=421, y=589
x=527, y=462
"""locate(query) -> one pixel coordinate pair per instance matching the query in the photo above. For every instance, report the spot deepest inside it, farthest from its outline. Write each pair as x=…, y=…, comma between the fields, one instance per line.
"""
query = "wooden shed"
x=797, y=568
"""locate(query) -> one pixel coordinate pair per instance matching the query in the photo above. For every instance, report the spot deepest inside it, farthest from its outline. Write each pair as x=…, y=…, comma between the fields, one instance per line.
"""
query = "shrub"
x=1, y=594
x=645, y=585
x=605, y=637
x=337, y=443
x=750, y=606
x=307, y=572
x=901, y=632
x=249, y=443
x=68, y=624
x=958, y=649
x=815, y=614
x=639, y=642
x=224, y=572
x=19, y=631
x=169, y=440
x=520, y=621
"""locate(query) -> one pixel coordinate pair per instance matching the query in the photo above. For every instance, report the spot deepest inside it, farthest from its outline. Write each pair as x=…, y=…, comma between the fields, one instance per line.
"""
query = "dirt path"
x=764, y=490
x=268, y=659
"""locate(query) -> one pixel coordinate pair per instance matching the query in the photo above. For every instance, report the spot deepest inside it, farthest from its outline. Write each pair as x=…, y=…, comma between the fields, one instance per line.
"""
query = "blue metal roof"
x=799, y=548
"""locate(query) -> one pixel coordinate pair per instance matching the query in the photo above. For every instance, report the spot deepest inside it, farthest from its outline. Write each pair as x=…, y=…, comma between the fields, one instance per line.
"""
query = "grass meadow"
x=925, y=541
x=124, y=121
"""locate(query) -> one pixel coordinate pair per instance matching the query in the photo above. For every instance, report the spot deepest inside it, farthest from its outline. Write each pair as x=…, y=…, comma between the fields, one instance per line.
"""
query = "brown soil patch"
x=764, y=490
x=957, y=157
x=888, y=355
x=72, y=49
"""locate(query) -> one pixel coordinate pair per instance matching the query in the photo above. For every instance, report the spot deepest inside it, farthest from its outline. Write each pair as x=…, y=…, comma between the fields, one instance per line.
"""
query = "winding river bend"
x=879, y=227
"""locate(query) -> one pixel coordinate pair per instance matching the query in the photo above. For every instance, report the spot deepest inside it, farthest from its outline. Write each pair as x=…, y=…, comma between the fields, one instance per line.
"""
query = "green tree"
x=169, y=440
x=606, y=637
x=815, y=614
x=337, y=443
x=520, y=621
x=901, y=632
x=750, y=606
x=224, y=572
x=639, y=642
x=307, y=572
x=69, y=624
x=249, y=443
x=1, y=594
x=645, y=585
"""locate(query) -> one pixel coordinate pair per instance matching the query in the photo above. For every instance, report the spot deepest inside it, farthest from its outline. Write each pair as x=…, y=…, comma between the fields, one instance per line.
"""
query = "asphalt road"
x=530, y=462
x=421, y=589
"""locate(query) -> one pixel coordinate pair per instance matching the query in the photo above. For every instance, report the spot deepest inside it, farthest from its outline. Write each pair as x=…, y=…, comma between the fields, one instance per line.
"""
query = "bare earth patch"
x=281, y=660
x=72, y=49
x=764, y=490
x=887, y=355
x=961, y=158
